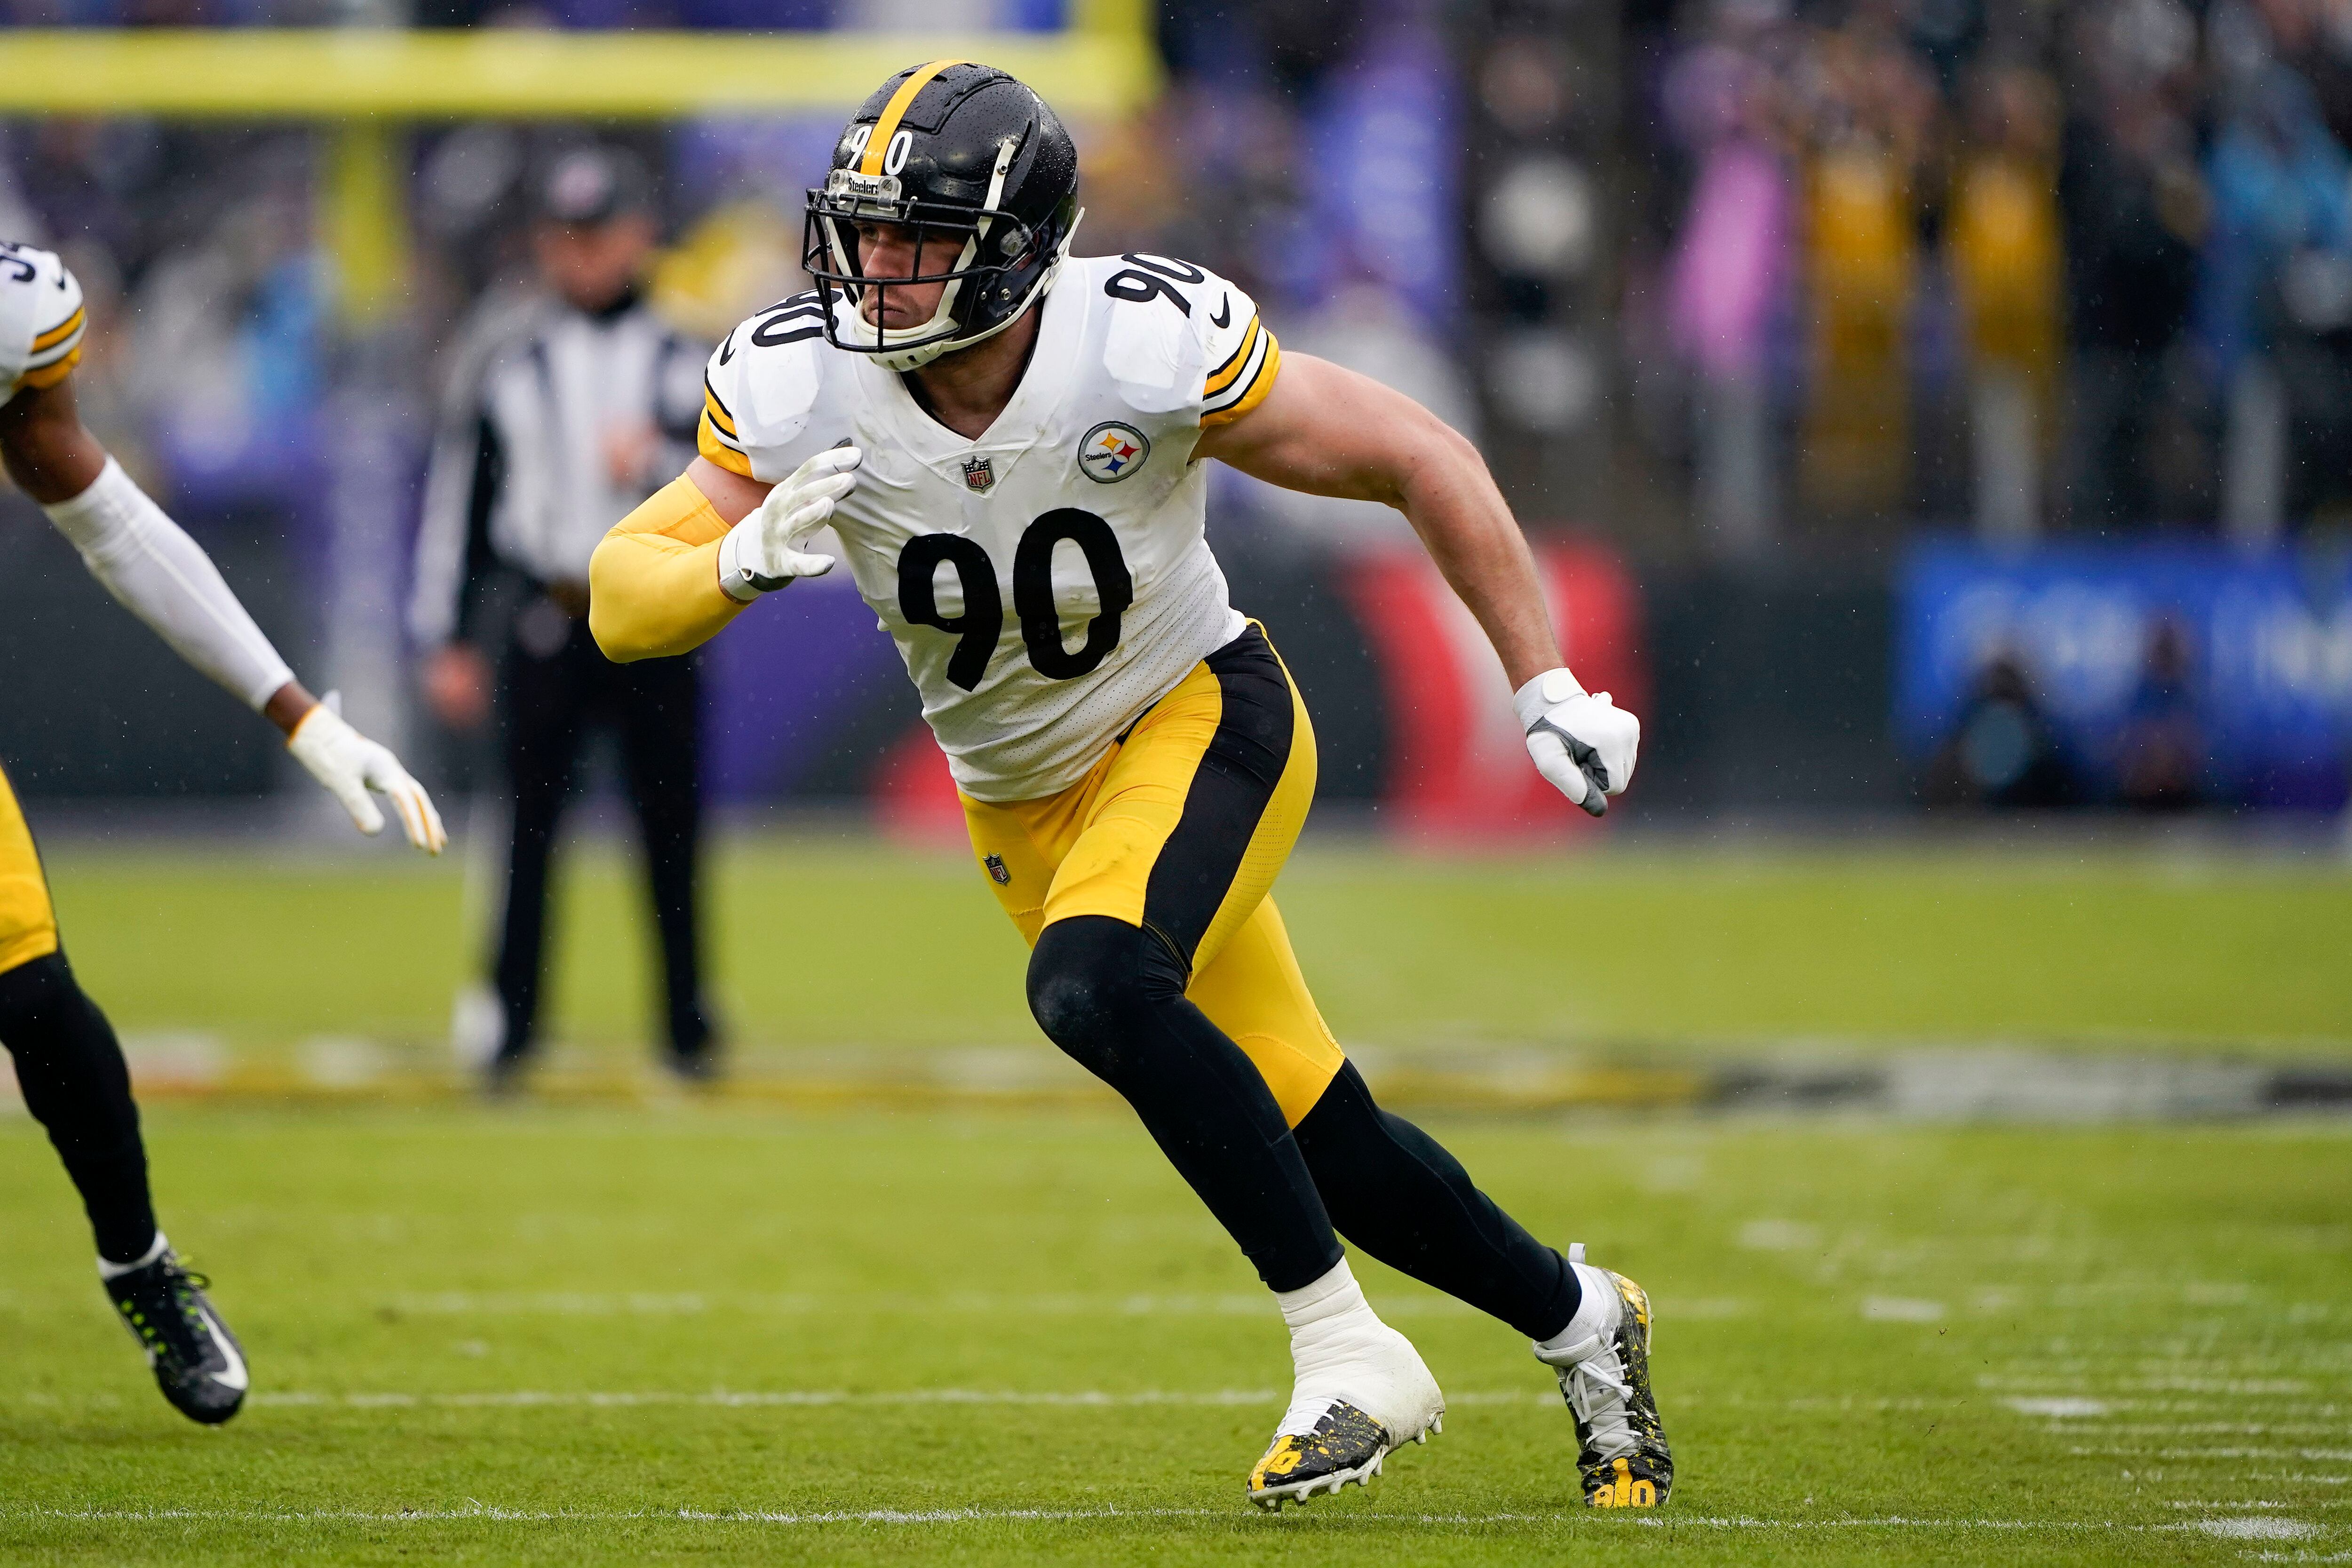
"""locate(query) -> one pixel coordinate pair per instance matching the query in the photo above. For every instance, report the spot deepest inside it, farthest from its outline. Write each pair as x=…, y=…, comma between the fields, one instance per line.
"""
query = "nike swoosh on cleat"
x=234, y=1375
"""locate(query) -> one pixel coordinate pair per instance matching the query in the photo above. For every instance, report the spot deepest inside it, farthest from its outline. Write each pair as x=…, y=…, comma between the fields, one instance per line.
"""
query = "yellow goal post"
x=366, y=84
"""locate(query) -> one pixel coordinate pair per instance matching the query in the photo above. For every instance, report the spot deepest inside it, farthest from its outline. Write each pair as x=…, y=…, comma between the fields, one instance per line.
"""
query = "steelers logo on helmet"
x=965, y=185
x=1111, y=451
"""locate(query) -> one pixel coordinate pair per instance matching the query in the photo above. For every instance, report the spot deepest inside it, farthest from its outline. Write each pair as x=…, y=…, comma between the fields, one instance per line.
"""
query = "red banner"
x=1459, y=768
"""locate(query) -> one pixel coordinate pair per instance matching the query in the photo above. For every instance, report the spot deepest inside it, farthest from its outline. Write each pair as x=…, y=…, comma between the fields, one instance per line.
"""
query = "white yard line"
x=484, y=1511
x=735, y=1398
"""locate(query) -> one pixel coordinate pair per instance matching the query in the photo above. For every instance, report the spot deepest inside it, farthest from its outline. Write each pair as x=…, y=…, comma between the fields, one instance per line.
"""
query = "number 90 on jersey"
x=980, y=624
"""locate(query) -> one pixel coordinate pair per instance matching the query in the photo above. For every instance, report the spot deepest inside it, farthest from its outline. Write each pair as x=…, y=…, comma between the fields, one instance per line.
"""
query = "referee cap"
x=591, y=186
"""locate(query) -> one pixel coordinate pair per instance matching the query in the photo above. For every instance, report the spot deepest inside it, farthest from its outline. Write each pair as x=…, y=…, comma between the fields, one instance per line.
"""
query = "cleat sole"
x=1271, y=1499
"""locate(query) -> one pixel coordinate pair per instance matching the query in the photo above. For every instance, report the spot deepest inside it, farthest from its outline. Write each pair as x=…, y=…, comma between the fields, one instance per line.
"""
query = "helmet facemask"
x=995, y=256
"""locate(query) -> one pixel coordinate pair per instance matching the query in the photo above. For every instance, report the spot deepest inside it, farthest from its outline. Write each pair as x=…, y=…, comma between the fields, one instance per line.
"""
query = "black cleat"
x=1346, y=1447
x=198, y=1363
x=1622, y=1457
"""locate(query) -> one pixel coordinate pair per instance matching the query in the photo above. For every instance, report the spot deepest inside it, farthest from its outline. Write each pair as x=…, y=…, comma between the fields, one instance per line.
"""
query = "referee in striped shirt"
x=567, y=411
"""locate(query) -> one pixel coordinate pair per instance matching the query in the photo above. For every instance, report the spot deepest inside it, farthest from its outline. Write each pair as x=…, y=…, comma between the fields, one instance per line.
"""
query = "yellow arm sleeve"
x=653, y=584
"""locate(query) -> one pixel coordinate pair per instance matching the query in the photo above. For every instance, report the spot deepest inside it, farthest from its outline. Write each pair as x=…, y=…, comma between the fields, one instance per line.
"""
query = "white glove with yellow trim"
x=1584, y=744
x=349, y=765
x=762, y=553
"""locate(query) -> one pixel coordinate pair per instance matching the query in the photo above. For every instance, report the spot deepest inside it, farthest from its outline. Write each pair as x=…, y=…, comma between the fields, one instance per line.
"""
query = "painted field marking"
x=2239, y=1529
x=2323, y=1455
x=688, y=1303
x=723, y=1398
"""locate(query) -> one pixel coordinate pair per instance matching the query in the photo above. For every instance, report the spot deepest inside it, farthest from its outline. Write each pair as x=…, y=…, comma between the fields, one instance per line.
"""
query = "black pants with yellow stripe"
x=1160, y=962
x=69, y=1065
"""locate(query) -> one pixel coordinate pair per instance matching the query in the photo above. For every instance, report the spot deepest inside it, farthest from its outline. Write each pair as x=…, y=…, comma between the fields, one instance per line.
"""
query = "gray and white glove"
x=1584, y=744
x=762, y=553
x=350, y=765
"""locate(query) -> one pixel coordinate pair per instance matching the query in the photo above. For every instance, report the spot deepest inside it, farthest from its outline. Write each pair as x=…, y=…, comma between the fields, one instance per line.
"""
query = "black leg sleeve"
x=1392, y=1190
x=75, y=1083
x=661, y=744
x=1112, y=996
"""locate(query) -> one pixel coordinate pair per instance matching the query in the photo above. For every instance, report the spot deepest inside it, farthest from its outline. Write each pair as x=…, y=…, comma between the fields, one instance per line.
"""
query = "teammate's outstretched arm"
x=1328, y=431
x=165, y=578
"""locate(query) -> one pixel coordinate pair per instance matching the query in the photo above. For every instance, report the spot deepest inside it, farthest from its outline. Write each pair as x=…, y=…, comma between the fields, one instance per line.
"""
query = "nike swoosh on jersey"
x=1224, y=316
x=726, y=349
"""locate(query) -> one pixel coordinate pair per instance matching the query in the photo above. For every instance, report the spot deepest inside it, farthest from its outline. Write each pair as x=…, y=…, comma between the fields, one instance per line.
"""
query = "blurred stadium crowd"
x=2085, y=265
x=1758, y=294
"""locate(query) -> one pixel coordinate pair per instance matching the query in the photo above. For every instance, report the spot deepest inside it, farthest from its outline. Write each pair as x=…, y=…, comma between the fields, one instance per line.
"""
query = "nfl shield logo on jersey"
x=979, y=473
x=1111, y=451
x=996, y=871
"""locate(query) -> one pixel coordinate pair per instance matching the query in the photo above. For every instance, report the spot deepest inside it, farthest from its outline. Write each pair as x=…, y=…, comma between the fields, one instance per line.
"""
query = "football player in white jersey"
x=1007, y=443
x=68, y=1061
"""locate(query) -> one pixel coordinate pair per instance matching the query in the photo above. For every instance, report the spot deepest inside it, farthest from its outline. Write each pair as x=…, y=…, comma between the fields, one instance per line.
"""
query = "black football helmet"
x=983, y=176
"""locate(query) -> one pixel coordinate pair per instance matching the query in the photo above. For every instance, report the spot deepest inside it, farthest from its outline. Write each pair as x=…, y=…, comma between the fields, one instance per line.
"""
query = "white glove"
x=1584, y=744
x=762, y=553
x=349, y=765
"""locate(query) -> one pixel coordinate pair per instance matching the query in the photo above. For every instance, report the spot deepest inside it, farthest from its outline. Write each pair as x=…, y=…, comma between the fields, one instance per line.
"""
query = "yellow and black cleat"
x=1623, y=1457
x=1629, y=1483
x=1346, y=1447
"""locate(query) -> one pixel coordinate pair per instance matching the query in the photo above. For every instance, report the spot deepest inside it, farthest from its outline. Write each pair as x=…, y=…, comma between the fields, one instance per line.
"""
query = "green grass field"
x=721, y=1331
x=594, y=1336
x=822, y=942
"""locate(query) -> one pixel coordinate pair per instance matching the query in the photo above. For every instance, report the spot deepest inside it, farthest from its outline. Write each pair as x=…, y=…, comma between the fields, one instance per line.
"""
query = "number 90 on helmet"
x=975, y=168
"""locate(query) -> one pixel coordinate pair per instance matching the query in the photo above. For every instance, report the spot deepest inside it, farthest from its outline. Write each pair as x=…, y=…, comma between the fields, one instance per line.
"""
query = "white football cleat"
x=1363, y=1391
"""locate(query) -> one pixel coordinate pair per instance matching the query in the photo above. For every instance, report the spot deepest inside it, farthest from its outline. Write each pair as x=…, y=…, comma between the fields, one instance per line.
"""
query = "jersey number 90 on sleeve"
x=977, y=629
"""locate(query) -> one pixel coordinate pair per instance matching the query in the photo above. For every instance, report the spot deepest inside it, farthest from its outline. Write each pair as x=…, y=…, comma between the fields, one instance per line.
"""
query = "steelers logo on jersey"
x=1111, y=451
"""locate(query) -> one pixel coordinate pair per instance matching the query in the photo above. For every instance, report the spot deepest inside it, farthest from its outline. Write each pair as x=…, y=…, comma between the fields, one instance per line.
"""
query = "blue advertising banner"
x=2123, y=671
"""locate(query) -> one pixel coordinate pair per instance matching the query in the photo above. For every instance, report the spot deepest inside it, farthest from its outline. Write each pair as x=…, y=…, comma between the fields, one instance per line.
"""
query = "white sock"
x=1330, y=1322
x=1334, y=1295
x=1595, y=1314
x=116, y=1270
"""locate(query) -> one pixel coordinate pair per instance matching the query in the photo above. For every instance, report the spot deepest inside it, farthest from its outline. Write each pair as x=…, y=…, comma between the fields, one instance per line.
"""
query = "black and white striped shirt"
x=520, y=478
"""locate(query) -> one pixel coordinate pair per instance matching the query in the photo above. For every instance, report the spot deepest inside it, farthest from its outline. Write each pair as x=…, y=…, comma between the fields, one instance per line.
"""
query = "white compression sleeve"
x=165, y=579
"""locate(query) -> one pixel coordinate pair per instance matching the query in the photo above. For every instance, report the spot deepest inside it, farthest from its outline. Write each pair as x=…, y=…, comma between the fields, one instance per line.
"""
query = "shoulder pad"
x=42, y=319
x=760, y=384
x=1181, y=338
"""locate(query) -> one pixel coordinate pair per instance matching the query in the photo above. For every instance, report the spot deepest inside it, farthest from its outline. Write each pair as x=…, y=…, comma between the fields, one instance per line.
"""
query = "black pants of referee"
x=555, y=685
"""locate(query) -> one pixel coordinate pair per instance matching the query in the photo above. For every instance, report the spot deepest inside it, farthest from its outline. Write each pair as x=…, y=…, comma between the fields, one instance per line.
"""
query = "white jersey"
x=41, y=318
x=1048, y=582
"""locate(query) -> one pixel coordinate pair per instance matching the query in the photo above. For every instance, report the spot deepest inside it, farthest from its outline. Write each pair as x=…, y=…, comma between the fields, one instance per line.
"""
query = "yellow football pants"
x=1143, y=839
x=29, y=926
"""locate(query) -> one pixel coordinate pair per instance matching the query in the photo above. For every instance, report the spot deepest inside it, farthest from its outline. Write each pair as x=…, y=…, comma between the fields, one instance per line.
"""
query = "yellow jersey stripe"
x=1238, y=384
x=896, y=110
x=52, y=373
x=717, y=447
x=61, y=332
x=718, y=412
x=1223, y=377
x=1260, y=385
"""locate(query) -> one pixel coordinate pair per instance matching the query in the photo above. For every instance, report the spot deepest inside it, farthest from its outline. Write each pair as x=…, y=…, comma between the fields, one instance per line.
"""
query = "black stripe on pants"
x=1237, y=775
